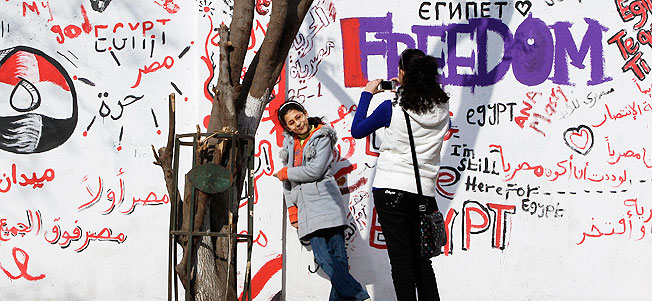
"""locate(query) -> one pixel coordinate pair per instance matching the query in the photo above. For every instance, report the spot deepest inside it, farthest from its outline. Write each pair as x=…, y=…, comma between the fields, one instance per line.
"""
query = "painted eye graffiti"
x=38, y=102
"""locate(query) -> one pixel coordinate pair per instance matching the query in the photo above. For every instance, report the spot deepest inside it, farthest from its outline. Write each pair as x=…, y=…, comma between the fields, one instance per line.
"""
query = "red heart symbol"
x=579, y=139
x=583, y=134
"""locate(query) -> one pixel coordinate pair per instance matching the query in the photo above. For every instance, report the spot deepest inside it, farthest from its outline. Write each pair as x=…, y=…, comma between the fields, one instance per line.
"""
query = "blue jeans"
x=330, y=253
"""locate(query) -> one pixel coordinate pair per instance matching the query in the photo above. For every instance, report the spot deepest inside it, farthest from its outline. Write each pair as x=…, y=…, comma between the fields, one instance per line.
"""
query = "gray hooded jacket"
x=311, y=186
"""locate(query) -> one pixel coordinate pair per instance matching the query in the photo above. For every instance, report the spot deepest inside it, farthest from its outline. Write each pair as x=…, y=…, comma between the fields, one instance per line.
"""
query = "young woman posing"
x=394, y=186
x=315, y=205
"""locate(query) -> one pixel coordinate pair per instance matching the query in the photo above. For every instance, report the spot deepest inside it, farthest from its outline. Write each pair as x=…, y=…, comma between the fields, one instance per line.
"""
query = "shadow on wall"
x=484, y=78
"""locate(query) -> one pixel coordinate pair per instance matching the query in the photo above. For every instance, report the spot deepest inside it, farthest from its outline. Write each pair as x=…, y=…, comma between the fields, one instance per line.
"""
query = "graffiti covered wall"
x=543, y=176
x=545, y=167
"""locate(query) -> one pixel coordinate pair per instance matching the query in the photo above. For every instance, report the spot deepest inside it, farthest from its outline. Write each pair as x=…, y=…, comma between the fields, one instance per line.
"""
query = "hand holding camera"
x=379, y=85
x=388, y=85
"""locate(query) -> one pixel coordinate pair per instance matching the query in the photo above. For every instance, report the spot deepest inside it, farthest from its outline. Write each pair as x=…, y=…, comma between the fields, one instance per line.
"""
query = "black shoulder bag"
x=432, y=235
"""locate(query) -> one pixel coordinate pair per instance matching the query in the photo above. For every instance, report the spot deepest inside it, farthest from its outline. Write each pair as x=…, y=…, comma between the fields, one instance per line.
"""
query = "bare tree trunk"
x=236, y=107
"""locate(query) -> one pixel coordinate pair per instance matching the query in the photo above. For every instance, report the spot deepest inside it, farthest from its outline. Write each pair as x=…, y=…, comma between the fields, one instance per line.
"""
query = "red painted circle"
x=206, y=120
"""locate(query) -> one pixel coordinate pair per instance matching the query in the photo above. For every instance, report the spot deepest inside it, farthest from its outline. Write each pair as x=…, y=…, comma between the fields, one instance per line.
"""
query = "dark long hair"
x=294, y=105
x=420, y=91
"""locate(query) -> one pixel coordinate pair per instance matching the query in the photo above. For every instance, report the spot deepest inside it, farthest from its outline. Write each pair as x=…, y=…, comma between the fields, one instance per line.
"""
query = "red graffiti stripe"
x=354, y=187
x=352, y=55
x=263, y=275
x=345, y=171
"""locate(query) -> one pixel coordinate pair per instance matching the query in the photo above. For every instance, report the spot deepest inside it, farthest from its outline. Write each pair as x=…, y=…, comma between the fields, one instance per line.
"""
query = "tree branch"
x=247, y=82
x=241, y=26
x=223, y=111
x=268, y=63
x=292, y=24
x=269, y=54
x=164, y=156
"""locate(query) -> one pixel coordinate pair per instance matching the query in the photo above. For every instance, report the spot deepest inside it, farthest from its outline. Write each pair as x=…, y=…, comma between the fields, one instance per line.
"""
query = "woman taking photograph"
x=394, y=185
x=315, y=205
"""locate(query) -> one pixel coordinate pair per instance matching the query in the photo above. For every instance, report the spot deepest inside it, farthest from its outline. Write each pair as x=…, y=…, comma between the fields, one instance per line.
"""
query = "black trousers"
x=398, y=216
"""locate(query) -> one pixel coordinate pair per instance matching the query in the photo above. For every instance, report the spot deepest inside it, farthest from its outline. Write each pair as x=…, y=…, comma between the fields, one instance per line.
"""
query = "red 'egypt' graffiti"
x=494, y=216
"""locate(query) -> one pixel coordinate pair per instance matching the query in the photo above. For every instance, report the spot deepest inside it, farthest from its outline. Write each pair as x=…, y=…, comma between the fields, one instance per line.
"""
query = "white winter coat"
x=394, y=168
x=311, y=186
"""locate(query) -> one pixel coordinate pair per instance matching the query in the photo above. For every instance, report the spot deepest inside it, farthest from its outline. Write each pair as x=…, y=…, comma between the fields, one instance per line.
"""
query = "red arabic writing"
x=25, y=180
x=570, y=168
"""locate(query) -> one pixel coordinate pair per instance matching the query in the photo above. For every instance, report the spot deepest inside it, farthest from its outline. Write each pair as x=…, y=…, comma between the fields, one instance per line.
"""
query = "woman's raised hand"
x=372, y=86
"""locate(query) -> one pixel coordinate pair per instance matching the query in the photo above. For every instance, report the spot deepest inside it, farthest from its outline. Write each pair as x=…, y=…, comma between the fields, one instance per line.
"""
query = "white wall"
x=580, y=150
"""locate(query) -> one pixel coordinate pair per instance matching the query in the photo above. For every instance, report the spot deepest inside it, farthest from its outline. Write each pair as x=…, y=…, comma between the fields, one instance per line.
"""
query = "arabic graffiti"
x=167, y=62
x=116, y=201
x=571, y=168
x=33, y=220
x=342, y=111
x=322, y=14
x=64, y=239
x=358, y=210
x=56, y=236
x=590, y=101
x=263, y=166
x=42, y=99
x=630, y=153
x=631, y=110
x=106, y=111
x=35, y=181
x=633, y=223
